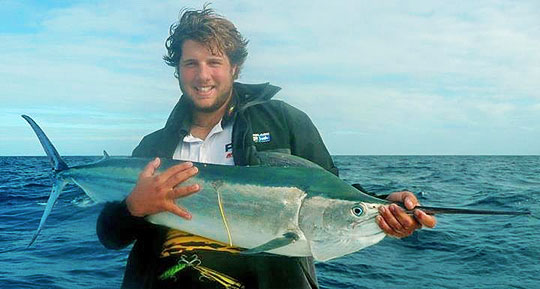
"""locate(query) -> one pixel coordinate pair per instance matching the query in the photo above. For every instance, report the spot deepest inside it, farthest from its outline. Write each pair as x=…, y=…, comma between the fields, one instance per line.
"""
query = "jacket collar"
x=179, y=120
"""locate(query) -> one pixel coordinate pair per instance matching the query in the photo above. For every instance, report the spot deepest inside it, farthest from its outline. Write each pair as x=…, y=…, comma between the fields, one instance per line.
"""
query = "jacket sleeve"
x=306, y=141
x=116, y=227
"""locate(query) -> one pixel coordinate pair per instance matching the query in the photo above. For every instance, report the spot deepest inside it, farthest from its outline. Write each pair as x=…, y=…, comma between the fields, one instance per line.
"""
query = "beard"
x=221, y=99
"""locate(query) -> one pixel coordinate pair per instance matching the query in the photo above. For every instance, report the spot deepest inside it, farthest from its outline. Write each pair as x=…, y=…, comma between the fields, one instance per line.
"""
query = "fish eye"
x=357, y=210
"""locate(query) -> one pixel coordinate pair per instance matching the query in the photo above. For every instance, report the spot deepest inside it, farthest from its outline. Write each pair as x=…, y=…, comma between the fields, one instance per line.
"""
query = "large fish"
x=288, y=206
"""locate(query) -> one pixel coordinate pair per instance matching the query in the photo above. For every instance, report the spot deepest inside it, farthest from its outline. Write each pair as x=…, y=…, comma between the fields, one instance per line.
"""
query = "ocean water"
x=463, y=251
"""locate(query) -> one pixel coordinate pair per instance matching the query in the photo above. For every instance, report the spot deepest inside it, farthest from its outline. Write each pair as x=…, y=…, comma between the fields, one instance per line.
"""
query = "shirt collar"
x=216, y=129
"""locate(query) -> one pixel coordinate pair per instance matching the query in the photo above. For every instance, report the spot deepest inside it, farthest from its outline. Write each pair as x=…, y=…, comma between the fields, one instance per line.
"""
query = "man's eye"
x=188, y=64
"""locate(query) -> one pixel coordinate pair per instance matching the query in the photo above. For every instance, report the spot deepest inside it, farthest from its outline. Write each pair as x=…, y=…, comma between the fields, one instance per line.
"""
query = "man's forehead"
x=212, y=48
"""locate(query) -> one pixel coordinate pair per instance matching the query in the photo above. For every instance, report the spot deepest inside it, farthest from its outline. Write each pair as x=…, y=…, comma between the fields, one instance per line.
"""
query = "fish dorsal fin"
x=105, y=157
x=277, y=159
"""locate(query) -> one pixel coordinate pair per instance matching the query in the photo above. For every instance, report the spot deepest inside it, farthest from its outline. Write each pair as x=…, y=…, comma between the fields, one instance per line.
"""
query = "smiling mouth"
x=203, y=89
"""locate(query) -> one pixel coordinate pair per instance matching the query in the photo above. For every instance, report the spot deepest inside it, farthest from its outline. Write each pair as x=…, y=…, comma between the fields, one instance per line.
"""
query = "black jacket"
x=253, y=113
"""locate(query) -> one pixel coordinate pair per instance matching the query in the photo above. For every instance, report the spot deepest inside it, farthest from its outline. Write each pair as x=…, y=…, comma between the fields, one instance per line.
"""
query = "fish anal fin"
x=284, y=240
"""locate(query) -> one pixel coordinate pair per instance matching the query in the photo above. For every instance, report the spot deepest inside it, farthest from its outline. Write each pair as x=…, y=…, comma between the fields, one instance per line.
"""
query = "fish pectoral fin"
x=284, y=240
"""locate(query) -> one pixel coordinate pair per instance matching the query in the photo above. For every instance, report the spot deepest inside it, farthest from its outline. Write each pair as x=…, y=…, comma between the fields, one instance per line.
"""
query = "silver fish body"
x=250, y=206
x=286, y=206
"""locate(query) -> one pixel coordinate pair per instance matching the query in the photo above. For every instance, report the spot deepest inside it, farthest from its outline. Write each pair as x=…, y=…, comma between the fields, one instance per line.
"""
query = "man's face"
x=204, y=77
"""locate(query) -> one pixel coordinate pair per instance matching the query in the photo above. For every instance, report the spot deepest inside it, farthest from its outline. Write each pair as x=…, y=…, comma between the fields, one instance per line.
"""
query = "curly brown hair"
x=209, y=29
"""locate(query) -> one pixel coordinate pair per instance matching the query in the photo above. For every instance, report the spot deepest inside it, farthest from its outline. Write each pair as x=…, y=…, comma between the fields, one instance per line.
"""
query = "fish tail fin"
x=55, y=193
x=57, y=164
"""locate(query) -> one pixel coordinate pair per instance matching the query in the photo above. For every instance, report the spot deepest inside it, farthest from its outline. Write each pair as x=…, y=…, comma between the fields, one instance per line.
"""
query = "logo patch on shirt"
x=262, y=137
x=228, y=151
x=228, y=147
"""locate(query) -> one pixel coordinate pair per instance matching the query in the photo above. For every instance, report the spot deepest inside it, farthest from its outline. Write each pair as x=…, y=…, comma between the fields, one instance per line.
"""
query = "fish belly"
x=245, y=215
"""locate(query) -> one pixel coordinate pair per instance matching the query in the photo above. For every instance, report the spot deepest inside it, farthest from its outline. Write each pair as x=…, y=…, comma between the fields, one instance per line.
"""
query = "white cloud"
x=358, y=68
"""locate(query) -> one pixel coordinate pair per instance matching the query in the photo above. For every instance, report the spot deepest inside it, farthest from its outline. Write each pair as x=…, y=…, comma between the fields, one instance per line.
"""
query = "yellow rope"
x=223, y=217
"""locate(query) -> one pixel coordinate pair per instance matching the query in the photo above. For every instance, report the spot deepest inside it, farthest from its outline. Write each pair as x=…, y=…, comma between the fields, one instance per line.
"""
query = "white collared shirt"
x=215, y=149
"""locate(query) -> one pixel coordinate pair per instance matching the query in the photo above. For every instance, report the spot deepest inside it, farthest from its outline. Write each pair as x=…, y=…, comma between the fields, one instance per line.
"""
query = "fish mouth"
x=371, y=230
x=369, y=221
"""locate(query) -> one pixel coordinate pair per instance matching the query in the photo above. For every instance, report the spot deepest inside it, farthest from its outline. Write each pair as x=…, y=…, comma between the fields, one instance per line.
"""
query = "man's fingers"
x=397, y=222
x=170, y=172
x=410, y=200
x=394, y=221
x=150, y=168
x=389, y=218
x=184, y=191
x=181, y=212
x=384, y=226
x=180, y=177
x=387, y=229
x=174, y=170
x=407, y=222
x=425, y=219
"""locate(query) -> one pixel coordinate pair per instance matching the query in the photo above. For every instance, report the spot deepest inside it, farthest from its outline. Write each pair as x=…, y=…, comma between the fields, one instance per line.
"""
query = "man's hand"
x=395, y=222
x=156, y=193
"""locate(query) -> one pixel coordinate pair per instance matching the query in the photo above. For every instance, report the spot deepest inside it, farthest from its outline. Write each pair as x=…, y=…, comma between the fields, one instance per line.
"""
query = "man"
x=217, y=121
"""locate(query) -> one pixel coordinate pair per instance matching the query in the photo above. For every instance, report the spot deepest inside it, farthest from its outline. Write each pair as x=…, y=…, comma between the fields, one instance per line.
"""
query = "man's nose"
x=203, y=72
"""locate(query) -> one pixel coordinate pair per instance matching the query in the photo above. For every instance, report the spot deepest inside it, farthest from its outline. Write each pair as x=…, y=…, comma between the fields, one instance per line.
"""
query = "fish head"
x=338, y=227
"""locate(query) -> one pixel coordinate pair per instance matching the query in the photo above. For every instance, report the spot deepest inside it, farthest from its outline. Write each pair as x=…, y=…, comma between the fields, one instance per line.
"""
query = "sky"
x=376, y=77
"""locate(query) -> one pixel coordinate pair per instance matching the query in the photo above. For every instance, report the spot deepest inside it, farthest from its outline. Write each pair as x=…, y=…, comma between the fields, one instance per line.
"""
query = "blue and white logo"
x=261, y=137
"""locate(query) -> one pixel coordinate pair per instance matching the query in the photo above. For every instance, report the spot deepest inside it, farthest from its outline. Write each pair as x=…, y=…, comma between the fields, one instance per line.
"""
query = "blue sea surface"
x=463, y=251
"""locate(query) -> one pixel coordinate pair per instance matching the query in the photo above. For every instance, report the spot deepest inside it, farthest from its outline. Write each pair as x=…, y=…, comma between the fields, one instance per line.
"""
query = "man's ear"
x=234, y=68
